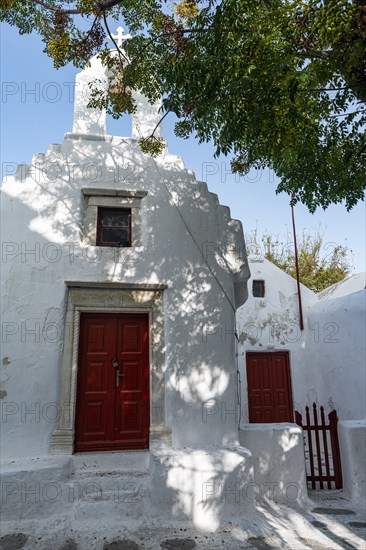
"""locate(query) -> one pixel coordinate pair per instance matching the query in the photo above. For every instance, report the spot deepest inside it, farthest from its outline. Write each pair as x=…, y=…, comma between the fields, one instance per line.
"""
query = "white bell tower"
x=93, y=121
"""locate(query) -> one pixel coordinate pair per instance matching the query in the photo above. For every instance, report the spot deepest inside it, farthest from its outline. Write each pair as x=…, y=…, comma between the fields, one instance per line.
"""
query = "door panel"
x=113, y=413
x=269, y=387
x=132, y=420
x=94, y=405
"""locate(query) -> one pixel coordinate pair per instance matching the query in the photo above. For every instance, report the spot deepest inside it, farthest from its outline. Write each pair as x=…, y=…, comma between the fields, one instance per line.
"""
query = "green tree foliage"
x=320, y=264
x=276, y=83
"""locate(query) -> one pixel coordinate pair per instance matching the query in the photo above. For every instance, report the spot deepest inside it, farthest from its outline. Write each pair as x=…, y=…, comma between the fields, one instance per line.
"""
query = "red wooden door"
x=269, y=387
x=113, y=405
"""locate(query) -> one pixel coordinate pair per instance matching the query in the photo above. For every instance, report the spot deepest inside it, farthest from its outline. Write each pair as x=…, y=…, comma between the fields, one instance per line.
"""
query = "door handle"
x=118, y=376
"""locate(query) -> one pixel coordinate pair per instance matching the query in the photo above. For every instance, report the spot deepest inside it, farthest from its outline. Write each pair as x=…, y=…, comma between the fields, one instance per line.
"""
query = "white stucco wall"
x=352, y=443
x=188, y=243
x=337, y=354
x=278, y=461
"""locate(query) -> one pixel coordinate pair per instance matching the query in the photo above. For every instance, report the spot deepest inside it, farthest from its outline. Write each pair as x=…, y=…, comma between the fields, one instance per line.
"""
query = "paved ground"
x=329, y=521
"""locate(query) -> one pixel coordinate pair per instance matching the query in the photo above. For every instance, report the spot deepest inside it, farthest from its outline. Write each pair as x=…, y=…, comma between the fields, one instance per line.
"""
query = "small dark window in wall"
x=258, y=289
x=114, y=227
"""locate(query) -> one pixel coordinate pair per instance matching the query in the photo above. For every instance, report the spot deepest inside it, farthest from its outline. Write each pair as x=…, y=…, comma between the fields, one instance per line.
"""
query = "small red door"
x=113, y=406
x=269, y=387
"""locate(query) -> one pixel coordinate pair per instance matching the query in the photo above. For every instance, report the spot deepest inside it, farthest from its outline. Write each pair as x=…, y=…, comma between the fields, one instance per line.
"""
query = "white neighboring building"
x=289, y=368
x=272, y=345
x=108, y=285
x=283, y=369
x=348, y=286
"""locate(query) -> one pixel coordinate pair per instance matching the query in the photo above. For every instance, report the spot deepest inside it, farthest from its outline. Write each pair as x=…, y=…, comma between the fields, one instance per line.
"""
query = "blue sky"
x=37, y=109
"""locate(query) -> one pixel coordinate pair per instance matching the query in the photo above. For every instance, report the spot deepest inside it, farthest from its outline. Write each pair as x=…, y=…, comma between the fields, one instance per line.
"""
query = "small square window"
x=114, y=227
x=258, y=289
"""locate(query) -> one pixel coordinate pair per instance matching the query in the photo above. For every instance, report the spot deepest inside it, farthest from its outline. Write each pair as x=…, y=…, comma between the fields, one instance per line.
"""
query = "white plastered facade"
x=53, y=271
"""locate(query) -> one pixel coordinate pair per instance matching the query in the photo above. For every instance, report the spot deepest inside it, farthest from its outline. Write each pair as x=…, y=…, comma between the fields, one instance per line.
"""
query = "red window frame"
x=101, y=226
x=261, y=286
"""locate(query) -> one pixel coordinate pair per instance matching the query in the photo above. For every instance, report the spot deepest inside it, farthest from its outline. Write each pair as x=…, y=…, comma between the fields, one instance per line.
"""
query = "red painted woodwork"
x=110, y=416
x=269, y=387
x=322, y=458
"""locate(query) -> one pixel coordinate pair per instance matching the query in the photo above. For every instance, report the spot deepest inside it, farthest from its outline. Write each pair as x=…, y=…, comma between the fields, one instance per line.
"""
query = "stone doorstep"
x=58, y=468
x=95, y=511
x=123, y=463
x=121, y=487
x=52, y=485
x=26, y=466
x=91, y=496
x=122, y=477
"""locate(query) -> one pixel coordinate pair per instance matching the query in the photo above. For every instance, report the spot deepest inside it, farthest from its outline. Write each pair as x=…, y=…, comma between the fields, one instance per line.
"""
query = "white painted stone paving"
x=328, y=521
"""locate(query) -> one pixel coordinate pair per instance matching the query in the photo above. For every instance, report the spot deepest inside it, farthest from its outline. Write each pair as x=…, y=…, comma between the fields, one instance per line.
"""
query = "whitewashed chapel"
x=121, y=277
x=111, y=275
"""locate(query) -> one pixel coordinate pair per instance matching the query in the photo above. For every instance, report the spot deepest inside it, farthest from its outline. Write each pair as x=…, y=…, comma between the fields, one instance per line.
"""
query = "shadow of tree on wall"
x=189, y=244
x=180, y=248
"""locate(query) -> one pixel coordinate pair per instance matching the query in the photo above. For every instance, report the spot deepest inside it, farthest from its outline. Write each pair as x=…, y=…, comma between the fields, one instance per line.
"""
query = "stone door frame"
x=110, y=298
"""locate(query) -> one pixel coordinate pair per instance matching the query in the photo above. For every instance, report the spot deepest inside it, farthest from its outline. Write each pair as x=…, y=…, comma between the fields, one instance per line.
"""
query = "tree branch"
x=108, y=4
x=91, y=28
x=53, y=8
x=362, y=150
x=151, y=40
x=348, y=114
x=323, y=89
x=314, y=54
x=132, y=63
x=158, y=124
x=101, y=5
x=120, y=53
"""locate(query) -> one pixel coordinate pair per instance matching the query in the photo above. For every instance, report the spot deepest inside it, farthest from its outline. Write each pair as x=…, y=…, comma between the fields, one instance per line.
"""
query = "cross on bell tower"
x=92, y=121
x=120, y=36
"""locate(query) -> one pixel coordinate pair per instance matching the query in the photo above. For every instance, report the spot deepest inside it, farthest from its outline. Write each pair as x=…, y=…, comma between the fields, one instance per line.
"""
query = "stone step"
x=109, y=485
x=38, y=159
x=47, y=497
x=107, y=510
x=124, y=463
x=225, y=211
x=54, y=148
x=115, y=476
x=114, y=488
x=105, y=485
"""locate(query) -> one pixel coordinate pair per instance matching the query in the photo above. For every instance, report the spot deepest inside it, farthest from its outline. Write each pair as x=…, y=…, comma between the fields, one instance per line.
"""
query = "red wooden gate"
x=112, y=407
x=322, y=456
